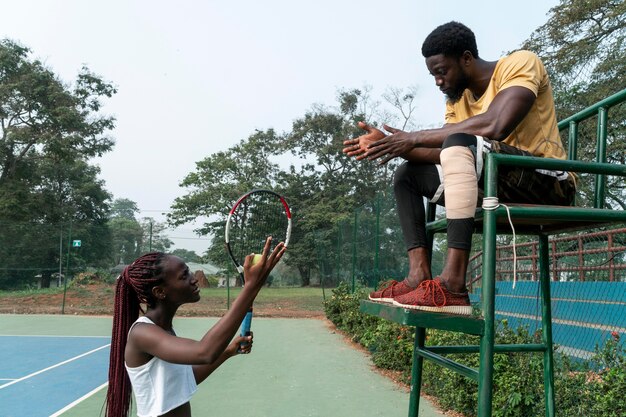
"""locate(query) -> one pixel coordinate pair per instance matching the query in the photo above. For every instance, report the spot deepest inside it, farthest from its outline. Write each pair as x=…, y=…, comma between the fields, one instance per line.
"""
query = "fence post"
x=356, y=214
x=67, y=267
x=581, y=260
x=339, y=249
x=555, y=272
x=611, y=256
x=150, y=239
x=377, y=240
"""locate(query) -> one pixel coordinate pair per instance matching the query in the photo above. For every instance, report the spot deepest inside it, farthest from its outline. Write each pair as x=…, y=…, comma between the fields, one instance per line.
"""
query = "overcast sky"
x=196, y=77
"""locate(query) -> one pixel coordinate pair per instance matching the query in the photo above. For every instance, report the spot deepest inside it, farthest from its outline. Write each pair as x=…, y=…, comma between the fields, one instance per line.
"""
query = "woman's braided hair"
x=134, y=287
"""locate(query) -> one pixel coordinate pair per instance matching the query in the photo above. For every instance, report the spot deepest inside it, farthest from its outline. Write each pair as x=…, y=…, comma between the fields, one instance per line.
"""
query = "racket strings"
x=256, y=218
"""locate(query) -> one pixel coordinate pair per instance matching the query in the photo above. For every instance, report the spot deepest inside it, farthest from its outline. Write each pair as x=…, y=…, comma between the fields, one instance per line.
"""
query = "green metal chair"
x=535, y=220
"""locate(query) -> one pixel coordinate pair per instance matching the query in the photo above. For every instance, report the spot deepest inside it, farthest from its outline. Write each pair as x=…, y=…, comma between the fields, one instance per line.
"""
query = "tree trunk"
x=305, y=275
x=45, y=279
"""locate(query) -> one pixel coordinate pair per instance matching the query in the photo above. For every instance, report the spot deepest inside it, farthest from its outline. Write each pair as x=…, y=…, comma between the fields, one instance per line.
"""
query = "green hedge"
x=595, y=388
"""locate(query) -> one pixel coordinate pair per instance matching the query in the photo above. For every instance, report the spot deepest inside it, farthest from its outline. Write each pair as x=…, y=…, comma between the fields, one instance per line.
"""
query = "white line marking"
x=54, y=366
x=81, y=399
x=53, y=336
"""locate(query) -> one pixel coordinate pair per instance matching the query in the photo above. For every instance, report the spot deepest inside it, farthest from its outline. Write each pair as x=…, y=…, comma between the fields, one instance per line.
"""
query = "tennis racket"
x=255, y=216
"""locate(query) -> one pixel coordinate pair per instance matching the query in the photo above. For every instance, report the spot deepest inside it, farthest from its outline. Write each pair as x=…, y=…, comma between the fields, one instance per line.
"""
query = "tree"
x=218, y=181
x=127, y=239
x=153, y=236
x=327, y=189
x=48, y=132
x=39, y=115
x=125, y=208
x=187, y=255
x=583, y=45
x=322, y=185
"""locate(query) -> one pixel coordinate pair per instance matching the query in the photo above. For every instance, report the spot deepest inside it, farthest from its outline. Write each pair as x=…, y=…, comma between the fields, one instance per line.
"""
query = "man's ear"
x=467, y=58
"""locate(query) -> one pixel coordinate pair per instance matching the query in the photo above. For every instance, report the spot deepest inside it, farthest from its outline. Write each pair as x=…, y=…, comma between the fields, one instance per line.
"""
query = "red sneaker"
x=393, y=289
x=432, y=295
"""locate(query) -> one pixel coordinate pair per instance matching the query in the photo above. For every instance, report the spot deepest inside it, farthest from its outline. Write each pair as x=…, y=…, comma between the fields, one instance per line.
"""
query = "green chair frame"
x=537, y=220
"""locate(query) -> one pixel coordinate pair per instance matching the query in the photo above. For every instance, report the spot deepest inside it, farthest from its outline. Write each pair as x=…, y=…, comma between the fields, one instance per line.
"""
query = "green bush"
x=93, y=276
x=212, y=281
x=583, y=389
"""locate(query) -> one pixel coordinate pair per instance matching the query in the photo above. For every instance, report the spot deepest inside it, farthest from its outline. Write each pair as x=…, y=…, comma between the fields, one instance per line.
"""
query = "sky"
x=195, y=77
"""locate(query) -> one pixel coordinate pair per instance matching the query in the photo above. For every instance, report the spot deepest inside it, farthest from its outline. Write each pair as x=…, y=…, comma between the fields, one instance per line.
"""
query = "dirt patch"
x=97, y=299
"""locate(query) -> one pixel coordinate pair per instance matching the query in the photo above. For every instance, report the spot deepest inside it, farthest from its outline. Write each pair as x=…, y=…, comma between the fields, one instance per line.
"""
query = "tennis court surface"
x=57, y=366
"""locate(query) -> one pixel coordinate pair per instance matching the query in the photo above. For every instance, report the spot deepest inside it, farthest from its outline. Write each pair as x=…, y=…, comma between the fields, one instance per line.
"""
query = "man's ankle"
x=454, y=288
x=414, y=282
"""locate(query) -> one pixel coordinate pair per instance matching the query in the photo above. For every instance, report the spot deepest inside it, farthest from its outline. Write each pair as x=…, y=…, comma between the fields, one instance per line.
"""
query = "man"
x=504, y=106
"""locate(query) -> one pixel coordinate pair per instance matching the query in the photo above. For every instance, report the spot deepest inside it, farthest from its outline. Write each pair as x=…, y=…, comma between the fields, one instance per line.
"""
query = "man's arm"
x=506, y=111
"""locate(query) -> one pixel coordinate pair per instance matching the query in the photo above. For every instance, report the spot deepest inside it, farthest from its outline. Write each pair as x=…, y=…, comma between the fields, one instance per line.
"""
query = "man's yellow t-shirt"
x=537, y=133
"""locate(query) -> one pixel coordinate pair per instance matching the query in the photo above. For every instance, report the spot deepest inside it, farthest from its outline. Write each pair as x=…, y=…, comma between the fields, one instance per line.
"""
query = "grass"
x=305, y=298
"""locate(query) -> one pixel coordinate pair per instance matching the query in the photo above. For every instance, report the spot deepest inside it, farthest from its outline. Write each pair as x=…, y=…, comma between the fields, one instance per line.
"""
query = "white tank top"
x=160, y=386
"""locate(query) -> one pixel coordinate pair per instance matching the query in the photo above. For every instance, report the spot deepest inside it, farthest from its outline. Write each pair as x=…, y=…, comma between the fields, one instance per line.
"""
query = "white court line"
x=81, y=399
x=54, y=366
x=52, y=335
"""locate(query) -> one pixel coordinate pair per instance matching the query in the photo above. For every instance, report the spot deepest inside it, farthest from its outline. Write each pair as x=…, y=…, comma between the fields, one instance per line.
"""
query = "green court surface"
x=298, y=368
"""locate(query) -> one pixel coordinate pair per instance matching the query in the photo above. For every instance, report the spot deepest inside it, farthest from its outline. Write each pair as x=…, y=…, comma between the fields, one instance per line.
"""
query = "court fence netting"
x=588, y=272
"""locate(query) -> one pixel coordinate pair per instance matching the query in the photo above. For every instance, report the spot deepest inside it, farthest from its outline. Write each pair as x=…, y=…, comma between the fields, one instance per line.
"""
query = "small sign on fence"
x=76, y=243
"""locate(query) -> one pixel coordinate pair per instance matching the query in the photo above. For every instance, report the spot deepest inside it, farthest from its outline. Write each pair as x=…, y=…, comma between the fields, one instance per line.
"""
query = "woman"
x=164, y=369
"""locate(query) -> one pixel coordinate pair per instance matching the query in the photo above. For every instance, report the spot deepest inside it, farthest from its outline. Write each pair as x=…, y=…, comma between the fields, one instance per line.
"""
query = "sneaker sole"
x=460, y=310
x=382, y=300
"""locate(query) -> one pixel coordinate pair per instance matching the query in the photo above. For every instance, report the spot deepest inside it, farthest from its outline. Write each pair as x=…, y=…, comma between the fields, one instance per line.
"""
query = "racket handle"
x=245, y=327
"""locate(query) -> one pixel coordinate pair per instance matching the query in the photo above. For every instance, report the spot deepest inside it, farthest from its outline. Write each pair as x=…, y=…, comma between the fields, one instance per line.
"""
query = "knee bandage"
x=460, y=182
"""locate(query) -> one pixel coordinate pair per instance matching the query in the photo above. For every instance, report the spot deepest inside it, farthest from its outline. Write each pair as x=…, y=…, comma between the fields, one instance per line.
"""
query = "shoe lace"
x=432, y=287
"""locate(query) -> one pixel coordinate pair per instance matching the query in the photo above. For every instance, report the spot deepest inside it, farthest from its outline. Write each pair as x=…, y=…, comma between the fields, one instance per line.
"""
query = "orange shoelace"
x=432, y=287
x=387, y=284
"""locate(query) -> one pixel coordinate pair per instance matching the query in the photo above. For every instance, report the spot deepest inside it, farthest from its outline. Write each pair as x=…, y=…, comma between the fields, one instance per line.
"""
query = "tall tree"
x=48, y=132
x=187, y=255
x=583, y=45
x=125, y=208
x=219, y=180
x=322, y=185
x=154, y=237
x=329, y=185
x=127, y=232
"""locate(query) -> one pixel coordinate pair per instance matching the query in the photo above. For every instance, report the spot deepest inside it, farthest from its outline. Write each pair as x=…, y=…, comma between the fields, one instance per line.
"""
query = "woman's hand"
x=256, y=273
x=239, y=345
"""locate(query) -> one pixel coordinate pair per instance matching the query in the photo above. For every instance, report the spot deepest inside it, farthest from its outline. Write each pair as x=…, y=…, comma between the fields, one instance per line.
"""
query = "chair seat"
x=531, y=219
x=426, y=319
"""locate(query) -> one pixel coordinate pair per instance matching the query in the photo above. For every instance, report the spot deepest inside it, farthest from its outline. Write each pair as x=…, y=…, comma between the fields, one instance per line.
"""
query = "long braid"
x=134, y=287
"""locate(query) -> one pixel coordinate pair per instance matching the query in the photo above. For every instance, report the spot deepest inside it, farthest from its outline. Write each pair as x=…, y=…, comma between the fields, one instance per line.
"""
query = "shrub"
x=582, y=389
x=93, y=276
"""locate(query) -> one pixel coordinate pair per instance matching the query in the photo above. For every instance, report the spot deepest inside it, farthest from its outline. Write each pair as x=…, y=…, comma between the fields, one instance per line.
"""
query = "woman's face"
x=180, y=286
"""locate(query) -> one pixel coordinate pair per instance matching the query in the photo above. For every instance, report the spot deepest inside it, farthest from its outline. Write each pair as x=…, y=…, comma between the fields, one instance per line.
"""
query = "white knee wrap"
x=460, y=182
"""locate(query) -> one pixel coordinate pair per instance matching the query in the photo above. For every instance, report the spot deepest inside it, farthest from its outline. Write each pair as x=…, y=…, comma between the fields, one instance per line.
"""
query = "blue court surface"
x=42, y=376
x=57, y=366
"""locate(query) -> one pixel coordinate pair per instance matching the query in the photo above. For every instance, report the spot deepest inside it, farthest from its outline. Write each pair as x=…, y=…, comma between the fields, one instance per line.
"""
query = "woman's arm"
x=201, y=372
x=155, y=341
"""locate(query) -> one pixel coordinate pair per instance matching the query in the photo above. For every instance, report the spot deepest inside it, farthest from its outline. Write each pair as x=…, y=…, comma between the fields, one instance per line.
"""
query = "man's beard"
x=457, y=92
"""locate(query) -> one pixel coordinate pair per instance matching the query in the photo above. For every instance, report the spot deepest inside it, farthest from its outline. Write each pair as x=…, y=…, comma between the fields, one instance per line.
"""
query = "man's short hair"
x=451, y=39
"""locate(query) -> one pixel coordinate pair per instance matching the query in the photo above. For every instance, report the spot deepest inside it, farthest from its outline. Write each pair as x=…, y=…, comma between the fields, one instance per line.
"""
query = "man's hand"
x=358, y=146
x=397, y=144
